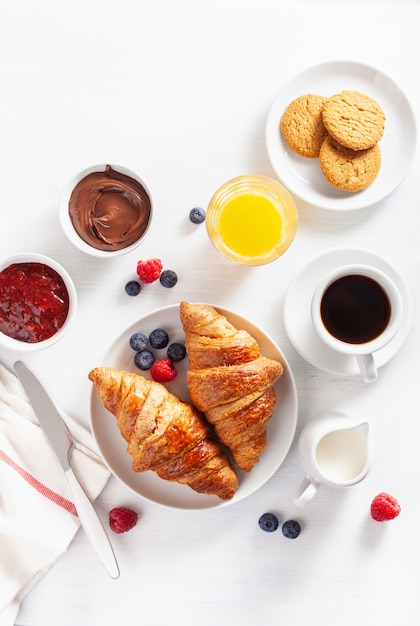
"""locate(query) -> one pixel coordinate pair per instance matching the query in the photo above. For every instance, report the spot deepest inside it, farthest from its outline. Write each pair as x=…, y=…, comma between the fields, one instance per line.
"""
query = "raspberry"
x=122, y=519
x=384, y=507
x=149, y=271
x=163, y=371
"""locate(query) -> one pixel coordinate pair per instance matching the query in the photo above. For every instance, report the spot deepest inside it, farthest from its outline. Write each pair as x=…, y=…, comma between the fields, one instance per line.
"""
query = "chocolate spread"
x=109, y=210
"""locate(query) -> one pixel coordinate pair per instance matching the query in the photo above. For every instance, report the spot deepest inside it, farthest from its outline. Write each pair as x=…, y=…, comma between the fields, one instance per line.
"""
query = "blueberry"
x=158, y=338
x=176, y=352
x=268, y=522
x=197, y=215
x=144, y=359
x=138, y=341
x=291, y=529
x=132, y=288
x=168, y=278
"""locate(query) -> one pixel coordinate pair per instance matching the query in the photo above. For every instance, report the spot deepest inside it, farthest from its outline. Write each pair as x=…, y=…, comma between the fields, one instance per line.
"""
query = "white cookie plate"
x=302, y=176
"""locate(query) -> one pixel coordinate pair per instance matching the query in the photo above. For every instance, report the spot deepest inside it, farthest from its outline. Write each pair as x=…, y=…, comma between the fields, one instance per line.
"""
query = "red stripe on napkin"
x=43, y=489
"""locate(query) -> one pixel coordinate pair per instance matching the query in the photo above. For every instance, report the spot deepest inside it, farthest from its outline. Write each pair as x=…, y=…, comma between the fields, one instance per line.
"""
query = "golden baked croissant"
x=165, y=434
x=230, y=381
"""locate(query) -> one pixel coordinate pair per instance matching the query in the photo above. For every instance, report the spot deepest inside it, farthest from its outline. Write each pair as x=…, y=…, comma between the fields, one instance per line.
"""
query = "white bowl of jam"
x=106, y=210
x=38, y=302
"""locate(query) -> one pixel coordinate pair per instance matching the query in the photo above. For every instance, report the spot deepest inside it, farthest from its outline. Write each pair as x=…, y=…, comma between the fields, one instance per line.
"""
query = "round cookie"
x=353, y=119
x=302, y=126
x=346, y=169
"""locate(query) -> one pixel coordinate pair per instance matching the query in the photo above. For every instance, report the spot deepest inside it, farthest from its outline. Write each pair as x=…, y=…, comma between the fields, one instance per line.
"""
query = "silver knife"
x=59, y=438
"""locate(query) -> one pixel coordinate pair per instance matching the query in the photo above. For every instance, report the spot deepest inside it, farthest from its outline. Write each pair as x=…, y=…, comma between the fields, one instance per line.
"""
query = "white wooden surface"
x=179, y=92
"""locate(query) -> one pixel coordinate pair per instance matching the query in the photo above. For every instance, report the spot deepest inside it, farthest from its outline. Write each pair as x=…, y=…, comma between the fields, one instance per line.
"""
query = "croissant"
x=230, y=381
x=164, y=433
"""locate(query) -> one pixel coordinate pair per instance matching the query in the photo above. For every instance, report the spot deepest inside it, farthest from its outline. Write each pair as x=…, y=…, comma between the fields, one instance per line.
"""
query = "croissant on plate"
x=165, y=434
x=230, y=381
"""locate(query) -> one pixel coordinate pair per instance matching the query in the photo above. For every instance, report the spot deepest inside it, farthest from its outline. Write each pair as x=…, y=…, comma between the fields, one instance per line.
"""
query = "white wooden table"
x=179, y=92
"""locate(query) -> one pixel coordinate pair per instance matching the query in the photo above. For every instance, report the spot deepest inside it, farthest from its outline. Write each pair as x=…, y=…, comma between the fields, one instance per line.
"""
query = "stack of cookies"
x=342, y=131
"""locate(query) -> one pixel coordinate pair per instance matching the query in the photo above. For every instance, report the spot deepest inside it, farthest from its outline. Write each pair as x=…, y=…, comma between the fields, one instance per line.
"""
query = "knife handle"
x=92, y=525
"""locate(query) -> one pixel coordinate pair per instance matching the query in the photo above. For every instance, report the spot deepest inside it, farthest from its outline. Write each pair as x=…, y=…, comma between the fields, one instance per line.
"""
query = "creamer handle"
x=306, y=491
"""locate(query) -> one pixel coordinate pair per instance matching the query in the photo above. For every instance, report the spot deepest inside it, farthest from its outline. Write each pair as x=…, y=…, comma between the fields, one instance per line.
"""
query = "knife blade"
x=60, y=440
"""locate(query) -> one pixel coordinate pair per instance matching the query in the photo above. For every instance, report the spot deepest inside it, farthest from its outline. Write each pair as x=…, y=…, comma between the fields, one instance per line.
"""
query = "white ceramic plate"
x=280, y=431
x=297, y=311
x=303, y=176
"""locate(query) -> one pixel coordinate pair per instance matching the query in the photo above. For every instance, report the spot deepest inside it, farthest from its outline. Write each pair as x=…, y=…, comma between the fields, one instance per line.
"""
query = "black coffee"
x=355, y=309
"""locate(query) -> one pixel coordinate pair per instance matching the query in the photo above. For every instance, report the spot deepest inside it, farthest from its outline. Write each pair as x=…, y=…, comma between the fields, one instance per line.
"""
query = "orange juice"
x=250, y=225
x=251, y=219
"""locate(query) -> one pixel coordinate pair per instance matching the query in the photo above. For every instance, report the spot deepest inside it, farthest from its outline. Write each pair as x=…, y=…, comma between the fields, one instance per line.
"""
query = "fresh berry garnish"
x=197, y=215
x=163, y=371
x=132, y=288
x=159, y=338
x=144, y=360
x=291, y=529
x=176, y=352
x=122, y=519
x=149, y=271
x=168, y=279
x=384, y=507
x=268, y=522
x=138, y=341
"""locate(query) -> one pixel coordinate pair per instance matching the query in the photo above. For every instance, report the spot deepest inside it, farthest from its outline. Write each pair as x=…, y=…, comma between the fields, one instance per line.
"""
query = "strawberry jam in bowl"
x=37, y=302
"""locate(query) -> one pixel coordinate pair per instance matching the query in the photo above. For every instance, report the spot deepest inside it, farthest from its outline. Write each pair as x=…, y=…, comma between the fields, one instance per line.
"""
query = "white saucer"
x=297, y=311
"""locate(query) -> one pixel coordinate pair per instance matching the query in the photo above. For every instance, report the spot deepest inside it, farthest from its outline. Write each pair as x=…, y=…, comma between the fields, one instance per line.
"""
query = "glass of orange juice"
x=252, y=219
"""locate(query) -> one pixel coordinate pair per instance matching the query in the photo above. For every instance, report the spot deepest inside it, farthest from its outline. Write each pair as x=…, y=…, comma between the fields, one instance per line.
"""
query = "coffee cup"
x=357, y=310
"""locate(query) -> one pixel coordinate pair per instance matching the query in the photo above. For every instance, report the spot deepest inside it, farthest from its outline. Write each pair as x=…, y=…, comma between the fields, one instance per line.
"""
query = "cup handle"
x=306, y=491
x=367, y=367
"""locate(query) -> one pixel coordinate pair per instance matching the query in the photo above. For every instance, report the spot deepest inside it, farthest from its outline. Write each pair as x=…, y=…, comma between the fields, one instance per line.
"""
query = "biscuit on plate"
x=354, y=120
x=302, y=126
x=346, y=169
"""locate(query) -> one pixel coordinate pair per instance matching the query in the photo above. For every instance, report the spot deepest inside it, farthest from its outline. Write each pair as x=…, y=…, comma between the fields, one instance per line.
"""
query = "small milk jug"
x=335, y=450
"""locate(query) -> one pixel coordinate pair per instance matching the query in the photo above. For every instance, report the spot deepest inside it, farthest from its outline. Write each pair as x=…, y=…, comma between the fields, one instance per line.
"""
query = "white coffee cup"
x=335, y=450
x=357, y=310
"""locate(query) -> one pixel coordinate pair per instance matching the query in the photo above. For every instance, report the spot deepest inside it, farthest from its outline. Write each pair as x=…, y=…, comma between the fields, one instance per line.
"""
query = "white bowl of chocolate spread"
x=106, y=210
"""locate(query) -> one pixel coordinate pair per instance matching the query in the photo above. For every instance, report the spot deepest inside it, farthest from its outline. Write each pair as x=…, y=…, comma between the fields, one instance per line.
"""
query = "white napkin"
x=37, y=517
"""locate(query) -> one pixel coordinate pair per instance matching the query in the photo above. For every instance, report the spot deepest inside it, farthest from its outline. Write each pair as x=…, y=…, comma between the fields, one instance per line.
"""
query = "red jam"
x=34, y=302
